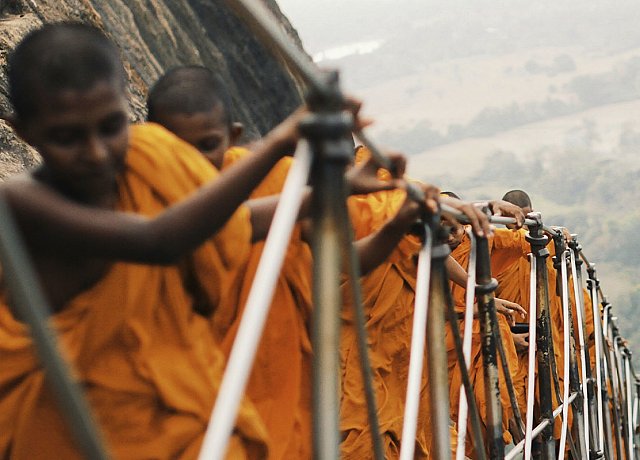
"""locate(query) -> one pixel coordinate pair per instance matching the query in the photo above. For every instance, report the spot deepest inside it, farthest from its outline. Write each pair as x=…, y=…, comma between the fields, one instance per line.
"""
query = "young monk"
x=514, y=285
x=193, y=103
x=126, y=228
x=388, y=295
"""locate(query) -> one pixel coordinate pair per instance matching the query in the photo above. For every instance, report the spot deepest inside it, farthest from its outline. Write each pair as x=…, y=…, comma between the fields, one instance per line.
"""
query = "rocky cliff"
x=155, y=35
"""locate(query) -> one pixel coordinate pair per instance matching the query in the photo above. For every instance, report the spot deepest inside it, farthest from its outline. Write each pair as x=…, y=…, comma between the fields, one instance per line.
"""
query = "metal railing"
x=602, y=402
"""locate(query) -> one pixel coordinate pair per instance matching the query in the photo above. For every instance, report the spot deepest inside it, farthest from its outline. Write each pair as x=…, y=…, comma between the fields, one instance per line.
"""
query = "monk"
x=388, y=294
x=514, y=285
x=503, y=249
x=193, y=103
x=132, y=259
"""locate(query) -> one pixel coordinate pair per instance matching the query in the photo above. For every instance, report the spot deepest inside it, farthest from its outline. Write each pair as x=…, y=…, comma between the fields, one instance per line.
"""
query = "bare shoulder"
x=24, y=191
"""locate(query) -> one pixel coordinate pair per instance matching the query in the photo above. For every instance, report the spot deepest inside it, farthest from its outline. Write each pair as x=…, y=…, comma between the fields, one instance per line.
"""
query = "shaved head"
x=58, y=57
x=188, y=90
x=519, y=198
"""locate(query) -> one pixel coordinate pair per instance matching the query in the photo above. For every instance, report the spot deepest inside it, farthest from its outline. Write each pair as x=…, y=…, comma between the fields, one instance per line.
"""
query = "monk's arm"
x=457, y=274
x=375, y=248
x=263, y=210
x=55, y=225
x=361, y=179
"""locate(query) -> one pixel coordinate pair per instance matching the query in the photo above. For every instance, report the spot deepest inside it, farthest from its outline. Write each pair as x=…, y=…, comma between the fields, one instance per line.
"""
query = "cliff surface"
x=155, y=35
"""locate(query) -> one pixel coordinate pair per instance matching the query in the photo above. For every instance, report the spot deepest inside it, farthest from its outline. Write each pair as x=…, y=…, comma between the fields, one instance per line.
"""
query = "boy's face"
x=207, y=131
x=82, y=136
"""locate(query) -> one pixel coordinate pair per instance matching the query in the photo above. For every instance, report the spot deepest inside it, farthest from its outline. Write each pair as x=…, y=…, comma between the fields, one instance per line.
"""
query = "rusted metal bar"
x=438, y=373
x=485, y=287
x=506, y=373
x=533, y=338
x=538, y=241
x=353, y=270
x=571, y=375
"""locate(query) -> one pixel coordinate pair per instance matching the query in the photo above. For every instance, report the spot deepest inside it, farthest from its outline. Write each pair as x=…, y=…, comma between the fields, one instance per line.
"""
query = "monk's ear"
x=235, y=133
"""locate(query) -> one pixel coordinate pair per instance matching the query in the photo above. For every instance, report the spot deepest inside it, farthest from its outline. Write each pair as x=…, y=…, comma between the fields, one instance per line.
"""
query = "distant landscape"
x=488, y=96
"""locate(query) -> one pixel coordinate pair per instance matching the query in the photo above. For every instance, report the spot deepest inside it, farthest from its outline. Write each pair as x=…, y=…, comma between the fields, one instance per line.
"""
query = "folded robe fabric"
x=280, y=382
x=388, y=300
x=505, y=247
x=147, y=361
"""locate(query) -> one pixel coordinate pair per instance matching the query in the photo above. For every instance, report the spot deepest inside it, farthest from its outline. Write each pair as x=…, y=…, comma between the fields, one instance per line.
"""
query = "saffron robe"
x=280, y=382
x=388, y=300
x=505, y=247
x=146, y=360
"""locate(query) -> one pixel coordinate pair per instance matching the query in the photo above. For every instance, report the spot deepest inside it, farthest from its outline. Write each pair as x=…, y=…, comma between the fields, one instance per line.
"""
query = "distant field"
x=466, y=157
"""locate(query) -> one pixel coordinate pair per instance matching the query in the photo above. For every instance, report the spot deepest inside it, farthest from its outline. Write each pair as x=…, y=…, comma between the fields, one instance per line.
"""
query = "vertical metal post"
x=418, y=338
x=597, y=323
x=571, y=375
x=486, y=306
x=466, y=402
x=538, y=242
x=533, y=338
x=353, y=269
x=630, y=403
x=614, y=382
x=245, y=345
x=438, y=373
x=326, y=130
x=587, y=395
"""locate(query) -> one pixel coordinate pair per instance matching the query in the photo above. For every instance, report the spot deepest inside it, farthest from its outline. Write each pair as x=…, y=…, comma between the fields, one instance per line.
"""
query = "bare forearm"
x=263, y=210
x=374, y=249
x=203, y=214
x=55, y=225
x=457, y=274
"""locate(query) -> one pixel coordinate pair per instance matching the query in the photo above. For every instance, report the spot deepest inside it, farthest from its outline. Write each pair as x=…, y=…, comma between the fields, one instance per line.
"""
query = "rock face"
x=155, y=35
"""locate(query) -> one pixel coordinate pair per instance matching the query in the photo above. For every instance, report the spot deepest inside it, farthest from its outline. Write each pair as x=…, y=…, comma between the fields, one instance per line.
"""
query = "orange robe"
x=388, y=299
x=505, y=248
x=280, y=383
x=147, y=361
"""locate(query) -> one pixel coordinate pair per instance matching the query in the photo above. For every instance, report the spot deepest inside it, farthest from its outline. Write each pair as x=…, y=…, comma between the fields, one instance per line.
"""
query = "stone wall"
x=155, y=35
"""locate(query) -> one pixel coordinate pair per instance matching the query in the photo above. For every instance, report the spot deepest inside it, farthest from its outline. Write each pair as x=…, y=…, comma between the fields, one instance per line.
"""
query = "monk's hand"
x=408, y=214
x=506, y=209
x=510, y=310
x=363, y=178
x=284, y=137
x=477, y=218
x=431, y=197
x=354, y=106
x=521, y=342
